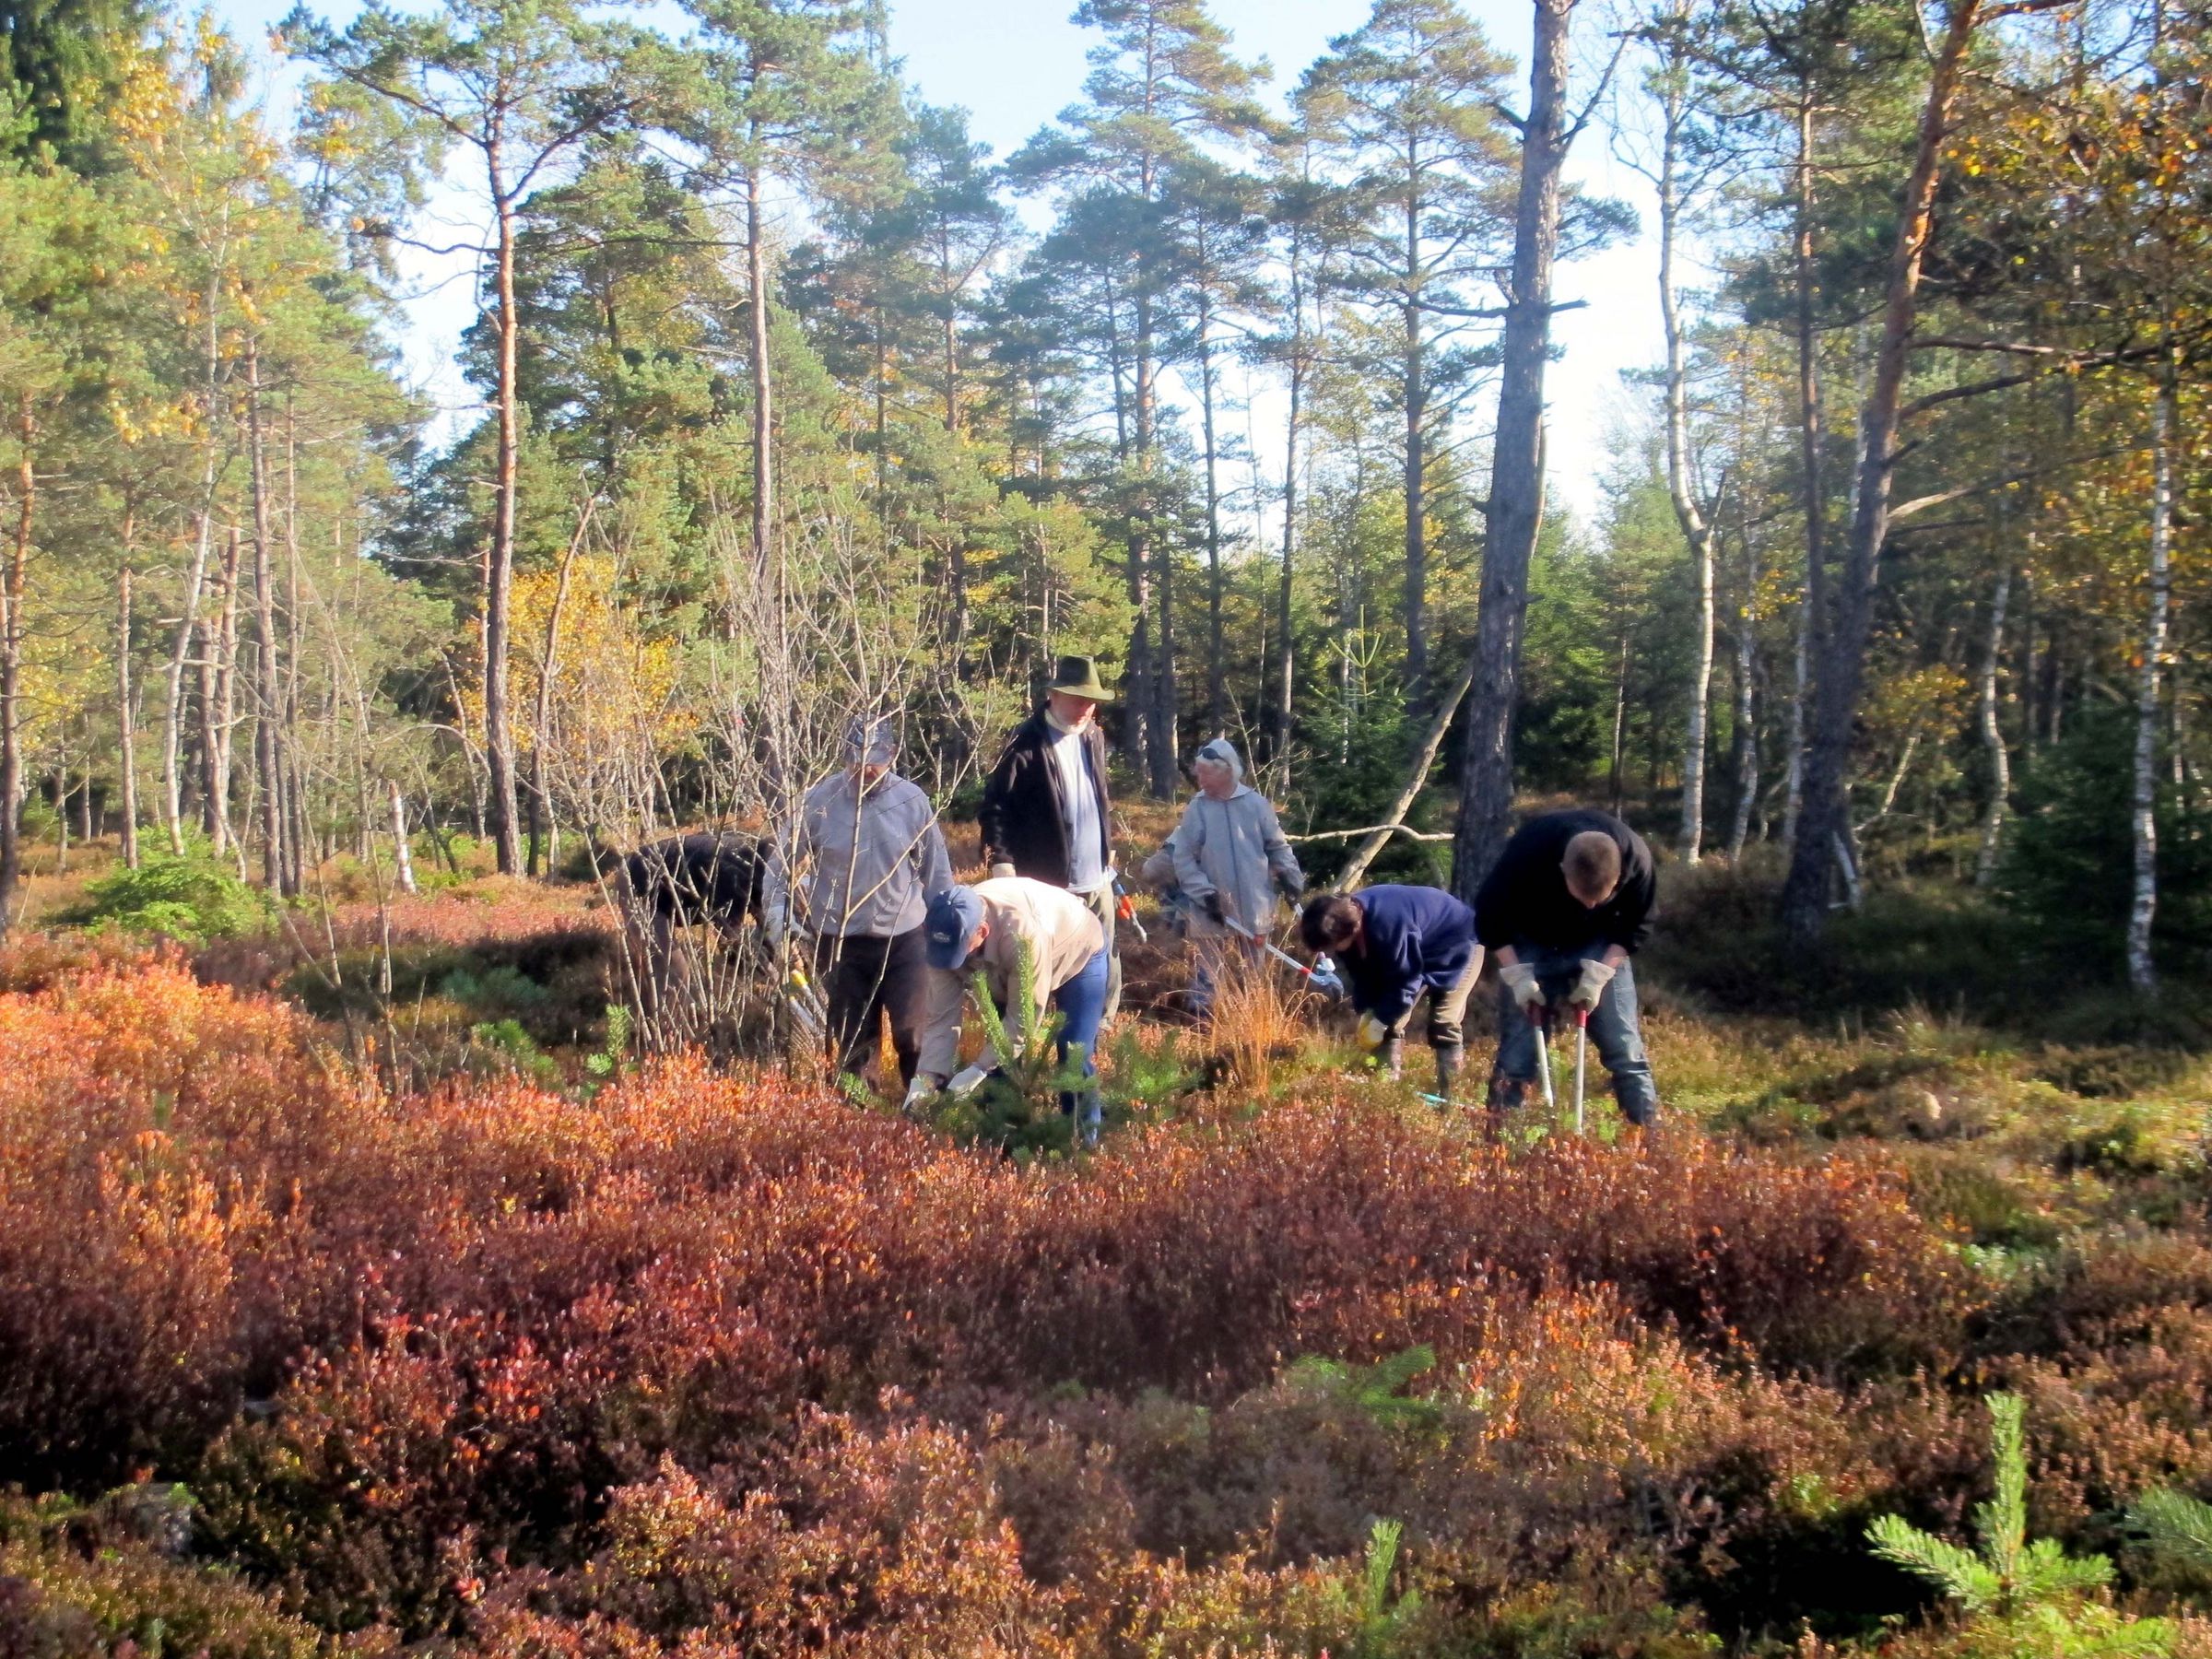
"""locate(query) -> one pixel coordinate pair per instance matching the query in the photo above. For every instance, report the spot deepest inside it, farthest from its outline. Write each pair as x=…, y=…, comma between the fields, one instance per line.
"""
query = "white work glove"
x=918, y=1094
x=1597, y=973
x=1000, y=871
x=1373, y=1033
x=966, y=1081
x=1521, y=979
x=775, y=925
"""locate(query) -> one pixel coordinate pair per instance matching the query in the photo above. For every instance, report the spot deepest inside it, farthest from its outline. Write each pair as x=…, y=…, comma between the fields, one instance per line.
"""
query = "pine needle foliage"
x=2019, y=1595
x=2176, y=1530
x=1018, y=1108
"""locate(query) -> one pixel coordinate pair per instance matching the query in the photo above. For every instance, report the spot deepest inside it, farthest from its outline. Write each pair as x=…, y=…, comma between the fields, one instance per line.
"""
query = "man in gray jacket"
x=1231, y=858
x=874, y=853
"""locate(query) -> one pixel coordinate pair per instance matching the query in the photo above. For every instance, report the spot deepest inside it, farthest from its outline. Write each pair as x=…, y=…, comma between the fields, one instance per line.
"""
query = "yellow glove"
x=1373, y=1033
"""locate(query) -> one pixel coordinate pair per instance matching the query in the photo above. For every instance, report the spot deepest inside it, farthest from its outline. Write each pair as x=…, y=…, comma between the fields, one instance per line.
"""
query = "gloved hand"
x=1373, y=1033
x=1597, y=973
x=1521, y=979
x=966, y=1081
x=1000, y=870
x=1211, y=905
x=918, y=1094
x=775, y=925
x=1329, y=984
x=1292, y=888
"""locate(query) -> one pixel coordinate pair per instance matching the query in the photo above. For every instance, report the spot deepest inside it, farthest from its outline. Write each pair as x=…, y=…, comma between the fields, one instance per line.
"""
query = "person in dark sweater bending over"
x=1392, y=944
x=1569, y=900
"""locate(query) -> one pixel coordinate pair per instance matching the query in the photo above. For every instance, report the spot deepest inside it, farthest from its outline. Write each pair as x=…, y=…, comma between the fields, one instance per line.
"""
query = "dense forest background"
x=1902, y=574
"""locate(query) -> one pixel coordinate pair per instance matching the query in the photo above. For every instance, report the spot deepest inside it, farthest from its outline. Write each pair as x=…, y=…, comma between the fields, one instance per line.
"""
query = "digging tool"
x=1273, y=950
x=1582, y=1052
x=1124, y=911
x=1539, y=1016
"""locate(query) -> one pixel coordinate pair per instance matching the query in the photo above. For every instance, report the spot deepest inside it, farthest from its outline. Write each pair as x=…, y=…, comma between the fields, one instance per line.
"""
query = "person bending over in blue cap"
x=983, y=929
x=1393, y=946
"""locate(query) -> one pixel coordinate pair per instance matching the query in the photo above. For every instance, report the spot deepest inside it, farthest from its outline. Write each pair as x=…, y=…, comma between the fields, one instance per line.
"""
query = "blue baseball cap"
x=951, y=921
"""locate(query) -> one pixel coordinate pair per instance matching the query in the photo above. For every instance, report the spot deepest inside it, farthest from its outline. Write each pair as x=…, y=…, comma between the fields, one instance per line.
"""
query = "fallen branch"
x=1421, y=835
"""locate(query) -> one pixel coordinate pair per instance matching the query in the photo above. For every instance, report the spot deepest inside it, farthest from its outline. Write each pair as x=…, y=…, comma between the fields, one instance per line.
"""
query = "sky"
x=1015, y=64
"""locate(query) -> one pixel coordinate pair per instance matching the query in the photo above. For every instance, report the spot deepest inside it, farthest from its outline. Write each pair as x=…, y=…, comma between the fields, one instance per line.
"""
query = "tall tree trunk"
x=1159, y=666
x=402, y=854
x=1747, y=711
x=1216, y=688
x=1993, y=736
x=267, y=691
x=1810, y=440
x=224, y=714
x=126, y=717
x=499, y=564
x=1516, y=504
x=295, y=624
x=1614, y=782
x=12, y=591
x=756, y=293
x=1416, y=513
x=179, y=653
x=1687, y=513
x=1286, y=654
x=2143, y=903
x=1822, y=815
x=548, y=664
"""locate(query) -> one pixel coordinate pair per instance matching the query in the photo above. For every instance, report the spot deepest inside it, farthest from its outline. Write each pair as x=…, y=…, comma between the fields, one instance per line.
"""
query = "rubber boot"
x=1391, y=1056
x=1507, y=1094
x=1449, y=1060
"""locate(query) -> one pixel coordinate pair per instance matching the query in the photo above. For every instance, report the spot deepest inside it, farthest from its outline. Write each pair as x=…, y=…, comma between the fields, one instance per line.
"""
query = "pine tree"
x=1163, y=84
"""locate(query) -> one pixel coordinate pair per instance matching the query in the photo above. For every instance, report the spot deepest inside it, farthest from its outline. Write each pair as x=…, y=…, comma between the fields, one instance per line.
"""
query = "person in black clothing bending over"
x=1569, y=900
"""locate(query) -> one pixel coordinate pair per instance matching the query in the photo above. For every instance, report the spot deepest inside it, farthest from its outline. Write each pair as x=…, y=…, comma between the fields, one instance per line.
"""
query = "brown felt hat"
x=1078, y=676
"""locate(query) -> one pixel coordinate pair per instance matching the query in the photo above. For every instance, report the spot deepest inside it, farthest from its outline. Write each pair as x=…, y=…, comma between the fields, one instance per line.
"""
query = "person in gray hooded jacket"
x=1232, y=859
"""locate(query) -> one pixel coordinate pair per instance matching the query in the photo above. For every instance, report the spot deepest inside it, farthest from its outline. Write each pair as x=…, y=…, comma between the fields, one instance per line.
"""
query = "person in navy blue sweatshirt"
x=1568, y=901
x=1394, y=944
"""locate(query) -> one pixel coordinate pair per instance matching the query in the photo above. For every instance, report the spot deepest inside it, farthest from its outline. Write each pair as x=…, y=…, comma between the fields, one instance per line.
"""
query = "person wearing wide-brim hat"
x=1046, y=813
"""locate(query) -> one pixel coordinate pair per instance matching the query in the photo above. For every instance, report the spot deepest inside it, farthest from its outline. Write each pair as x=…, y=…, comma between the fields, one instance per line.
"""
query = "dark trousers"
x=867, y=979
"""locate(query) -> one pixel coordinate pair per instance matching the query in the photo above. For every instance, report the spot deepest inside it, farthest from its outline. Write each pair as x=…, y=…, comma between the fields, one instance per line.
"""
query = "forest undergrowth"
x=653, y=1357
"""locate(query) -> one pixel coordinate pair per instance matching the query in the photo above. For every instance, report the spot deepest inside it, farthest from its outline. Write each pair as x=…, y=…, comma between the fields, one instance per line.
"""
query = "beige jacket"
x=1063, y=935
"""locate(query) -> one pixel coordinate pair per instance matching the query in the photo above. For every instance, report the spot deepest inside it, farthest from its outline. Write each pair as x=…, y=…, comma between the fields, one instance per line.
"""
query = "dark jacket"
x=1525, y=900
x=697, y=879
x=1022, y=818
x=1412, y=939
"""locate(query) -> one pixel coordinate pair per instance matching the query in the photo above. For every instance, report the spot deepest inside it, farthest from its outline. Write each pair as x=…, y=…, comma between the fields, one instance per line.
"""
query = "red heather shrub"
x=497, y=1305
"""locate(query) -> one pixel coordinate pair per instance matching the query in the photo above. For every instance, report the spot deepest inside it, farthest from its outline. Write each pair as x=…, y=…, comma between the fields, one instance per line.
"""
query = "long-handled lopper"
x=1539, y=1016
x=1250, y=938
x=1582, y=1055
x=1124, y=911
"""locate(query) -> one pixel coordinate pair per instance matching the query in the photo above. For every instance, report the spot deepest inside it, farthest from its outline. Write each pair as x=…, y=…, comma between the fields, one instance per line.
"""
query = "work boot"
x=1507, y=1094
x=1391, y=1056
x=1449, y=1060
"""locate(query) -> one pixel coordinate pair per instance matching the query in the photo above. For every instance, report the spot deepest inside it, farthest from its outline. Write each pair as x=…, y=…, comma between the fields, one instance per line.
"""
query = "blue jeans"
x=1081, y=1004
x=1613, y=1027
